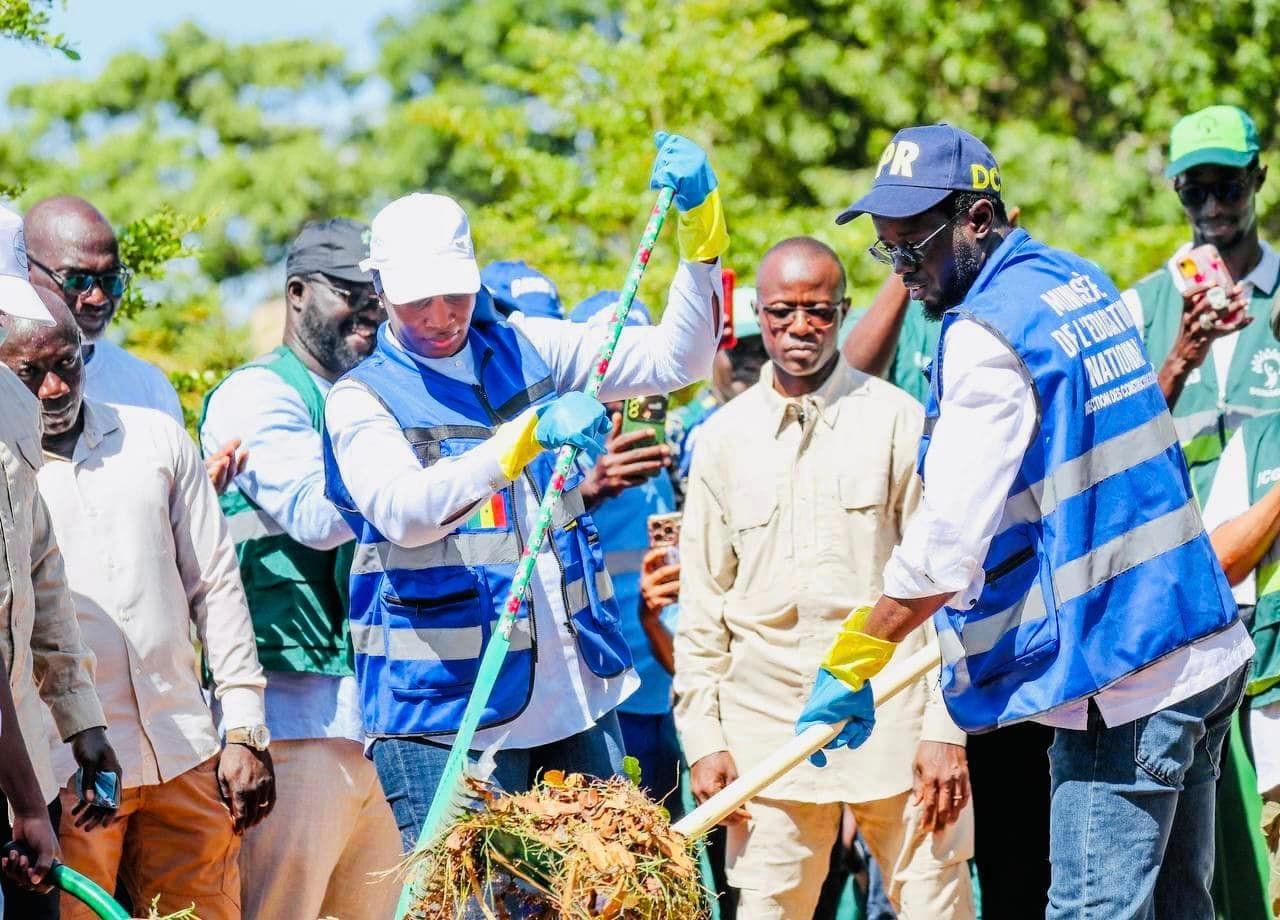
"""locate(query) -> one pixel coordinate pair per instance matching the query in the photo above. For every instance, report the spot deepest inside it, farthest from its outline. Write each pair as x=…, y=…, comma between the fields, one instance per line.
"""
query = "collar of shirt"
x=825, y=401
x=100, y=420
x=460, y=366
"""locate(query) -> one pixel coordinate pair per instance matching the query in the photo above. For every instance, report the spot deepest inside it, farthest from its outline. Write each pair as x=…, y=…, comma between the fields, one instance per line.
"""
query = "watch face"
x=260, y=737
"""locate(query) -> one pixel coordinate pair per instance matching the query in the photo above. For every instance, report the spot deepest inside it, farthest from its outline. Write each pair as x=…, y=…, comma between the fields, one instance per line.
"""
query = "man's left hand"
x=247, y=780
x=94, y=755
x=941, y=783
x=225, y=465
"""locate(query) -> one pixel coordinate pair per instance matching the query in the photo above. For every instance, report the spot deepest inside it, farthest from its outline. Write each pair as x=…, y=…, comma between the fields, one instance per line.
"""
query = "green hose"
x=94, y=897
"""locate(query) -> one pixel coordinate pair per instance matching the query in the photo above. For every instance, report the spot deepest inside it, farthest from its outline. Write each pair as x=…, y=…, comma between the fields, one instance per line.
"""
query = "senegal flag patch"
x=491, y=515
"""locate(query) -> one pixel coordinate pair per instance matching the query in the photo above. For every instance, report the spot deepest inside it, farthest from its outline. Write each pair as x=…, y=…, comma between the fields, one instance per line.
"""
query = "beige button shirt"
x=792, y=511
x=39, y=638
x=148, y=553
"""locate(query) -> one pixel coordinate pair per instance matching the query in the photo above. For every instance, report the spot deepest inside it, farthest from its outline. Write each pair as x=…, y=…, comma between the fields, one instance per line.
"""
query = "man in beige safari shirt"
x=799, y=491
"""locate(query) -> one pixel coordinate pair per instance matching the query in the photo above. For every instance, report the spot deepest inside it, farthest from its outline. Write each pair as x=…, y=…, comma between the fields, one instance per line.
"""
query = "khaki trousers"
x=330, y=829
x=173, y=840
x=780, y=857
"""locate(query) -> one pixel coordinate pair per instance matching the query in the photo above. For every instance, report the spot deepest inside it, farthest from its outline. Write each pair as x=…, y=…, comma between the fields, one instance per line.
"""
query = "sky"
x=100, y=28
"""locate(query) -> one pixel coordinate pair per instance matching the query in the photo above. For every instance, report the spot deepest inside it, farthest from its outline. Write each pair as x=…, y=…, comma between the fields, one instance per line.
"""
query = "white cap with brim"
x=420, y=246
x=18, y=296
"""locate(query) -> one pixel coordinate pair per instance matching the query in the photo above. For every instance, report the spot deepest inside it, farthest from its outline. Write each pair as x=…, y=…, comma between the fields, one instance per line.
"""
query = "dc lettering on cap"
x=984, y=177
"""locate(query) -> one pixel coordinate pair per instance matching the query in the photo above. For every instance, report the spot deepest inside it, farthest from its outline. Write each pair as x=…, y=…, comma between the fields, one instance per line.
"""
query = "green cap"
x=1221, y=134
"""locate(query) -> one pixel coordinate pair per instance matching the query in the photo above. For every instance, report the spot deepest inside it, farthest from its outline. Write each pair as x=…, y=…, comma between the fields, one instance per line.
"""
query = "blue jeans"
x=1131, y=829
x=410, y=769
x=651, y=739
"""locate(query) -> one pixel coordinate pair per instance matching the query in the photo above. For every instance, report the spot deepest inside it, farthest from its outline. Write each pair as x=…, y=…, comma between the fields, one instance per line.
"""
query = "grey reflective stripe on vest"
x=1190, y=427
x=1129, y=550
x=571, y=506
x=252, y=524
x=1236, y=415
x=624, y=560
x=981, y=636
x=1135, y=446
x=427, y=644
x=485, y=548
x=576, y=591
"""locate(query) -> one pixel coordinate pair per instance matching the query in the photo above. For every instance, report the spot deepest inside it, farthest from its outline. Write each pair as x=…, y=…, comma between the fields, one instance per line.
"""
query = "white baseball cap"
x=17, y=295
x=420, y=246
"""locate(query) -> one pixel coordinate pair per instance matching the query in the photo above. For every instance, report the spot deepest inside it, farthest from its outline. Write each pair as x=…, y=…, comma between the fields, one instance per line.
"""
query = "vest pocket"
x=1021, y=632
x=433, y=644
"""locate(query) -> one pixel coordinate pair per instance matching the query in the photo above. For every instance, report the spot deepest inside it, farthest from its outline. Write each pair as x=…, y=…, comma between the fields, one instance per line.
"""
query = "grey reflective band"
x=1142, y=544
x=431, y=644
x=1123, y=452
x=252, y=524
x=981, y=636
x=624, y=561
x=571, y=506
x=525, y=398
x=1190, y=427
x=497, y=547
x=576, y=591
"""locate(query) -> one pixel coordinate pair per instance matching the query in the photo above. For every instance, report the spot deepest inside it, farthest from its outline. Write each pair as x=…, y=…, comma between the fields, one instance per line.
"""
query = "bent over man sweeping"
x=435, y=453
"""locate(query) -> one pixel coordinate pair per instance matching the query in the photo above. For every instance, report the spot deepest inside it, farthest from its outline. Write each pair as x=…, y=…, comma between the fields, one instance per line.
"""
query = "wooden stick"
x=715, y=809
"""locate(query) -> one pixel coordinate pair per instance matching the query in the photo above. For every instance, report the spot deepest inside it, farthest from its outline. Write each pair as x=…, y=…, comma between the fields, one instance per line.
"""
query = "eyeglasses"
x=1225, y=191
x=77, y=281
x=819, y=315
x=909, y=254
x=363, y=297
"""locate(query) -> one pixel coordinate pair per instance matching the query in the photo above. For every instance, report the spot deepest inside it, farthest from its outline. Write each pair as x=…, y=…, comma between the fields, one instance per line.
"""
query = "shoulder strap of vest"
x=282, y=362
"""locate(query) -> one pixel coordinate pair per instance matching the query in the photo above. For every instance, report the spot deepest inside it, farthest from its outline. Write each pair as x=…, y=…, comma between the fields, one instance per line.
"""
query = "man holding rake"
x=437, y=455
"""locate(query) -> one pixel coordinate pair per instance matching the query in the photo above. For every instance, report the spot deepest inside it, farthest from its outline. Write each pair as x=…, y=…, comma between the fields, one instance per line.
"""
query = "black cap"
x=331, y=247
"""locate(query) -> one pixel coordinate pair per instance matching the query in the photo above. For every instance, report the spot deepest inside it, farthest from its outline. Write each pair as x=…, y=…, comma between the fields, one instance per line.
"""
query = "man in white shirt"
x=148, y=554
x=73, y=250
x=295, y=558
x=1058, y=541
x=428, y=444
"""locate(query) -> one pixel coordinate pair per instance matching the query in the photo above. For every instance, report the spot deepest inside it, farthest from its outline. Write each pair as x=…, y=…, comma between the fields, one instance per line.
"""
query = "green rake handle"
x=78, y=886
x=496, y=652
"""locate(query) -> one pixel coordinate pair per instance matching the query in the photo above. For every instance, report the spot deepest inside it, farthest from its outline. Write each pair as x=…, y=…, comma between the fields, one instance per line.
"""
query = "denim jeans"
x=1131, y=831
x=651, y=739
x=410, y=769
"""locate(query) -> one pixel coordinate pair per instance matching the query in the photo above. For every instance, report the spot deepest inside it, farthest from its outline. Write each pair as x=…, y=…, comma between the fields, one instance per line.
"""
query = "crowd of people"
x=237, y=663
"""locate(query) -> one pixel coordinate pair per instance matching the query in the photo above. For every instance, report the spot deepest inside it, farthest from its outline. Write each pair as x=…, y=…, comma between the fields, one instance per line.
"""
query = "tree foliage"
x=28, y=21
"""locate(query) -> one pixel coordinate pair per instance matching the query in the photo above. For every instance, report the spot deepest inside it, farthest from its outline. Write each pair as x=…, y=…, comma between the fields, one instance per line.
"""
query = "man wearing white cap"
x=40, y=640
x=438, y=453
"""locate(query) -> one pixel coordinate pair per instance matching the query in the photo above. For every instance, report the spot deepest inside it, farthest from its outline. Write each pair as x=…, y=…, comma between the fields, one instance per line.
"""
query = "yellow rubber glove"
x=702, y=232
x=854, y=657
x=516, y=442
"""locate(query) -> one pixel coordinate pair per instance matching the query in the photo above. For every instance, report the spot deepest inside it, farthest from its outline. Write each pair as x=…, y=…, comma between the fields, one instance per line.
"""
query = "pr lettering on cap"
x=899, y=158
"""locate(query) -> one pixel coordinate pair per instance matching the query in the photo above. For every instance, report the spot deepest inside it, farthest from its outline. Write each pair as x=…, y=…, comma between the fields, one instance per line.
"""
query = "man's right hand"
x=711, y=774
x=625, y=463
x=36, y=834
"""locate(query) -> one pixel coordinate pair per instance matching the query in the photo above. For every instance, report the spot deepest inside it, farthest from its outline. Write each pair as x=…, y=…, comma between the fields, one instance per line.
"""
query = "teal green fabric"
x=297, y=595
x=917, y=344
x=1261, y=438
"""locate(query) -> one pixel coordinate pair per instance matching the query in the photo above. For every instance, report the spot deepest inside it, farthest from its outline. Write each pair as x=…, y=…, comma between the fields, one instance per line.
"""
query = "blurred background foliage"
x=538, y=115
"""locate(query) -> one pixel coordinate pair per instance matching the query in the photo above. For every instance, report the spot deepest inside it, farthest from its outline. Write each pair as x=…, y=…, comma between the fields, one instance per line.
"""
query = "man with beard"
x=148, y=557
x=800, y=489
x=332, y=826
x=1057, y=539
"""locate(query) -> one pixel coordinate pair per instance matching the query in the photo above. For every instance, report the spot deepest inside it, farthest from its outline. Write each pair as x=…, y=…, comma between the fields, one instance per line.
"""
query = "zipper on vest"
x=564, y=590
x=1001, y=569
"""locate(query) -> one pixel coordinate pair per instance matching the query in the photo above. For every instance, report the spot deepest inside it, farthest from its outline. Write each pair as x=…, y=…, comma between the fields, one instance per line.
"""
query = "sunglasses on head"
x=1224, y=191
x=77, y=281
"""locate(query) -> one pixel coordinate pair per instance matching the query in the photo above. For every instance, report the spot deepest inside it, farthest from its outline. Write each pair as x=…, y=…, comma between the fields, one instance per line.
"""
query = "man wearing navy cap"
x=516, y=287
x=1058, y=544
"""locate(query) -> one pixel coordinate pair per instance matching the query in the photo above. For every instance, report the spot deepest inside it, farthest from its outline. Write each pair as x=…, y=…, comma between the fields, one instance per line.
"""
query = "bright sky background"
x=100, y=28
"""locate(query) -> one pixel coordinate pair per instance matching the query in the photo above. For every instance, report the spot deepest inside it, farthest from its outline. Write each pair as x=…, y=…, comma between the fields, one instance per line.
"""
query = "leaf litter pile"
x=571, y=848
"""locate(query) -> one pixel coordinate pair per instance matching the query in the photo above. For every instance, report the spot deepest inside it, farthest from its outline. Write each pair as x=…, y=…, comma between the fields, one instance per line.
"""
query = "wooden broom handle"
x=890, y=683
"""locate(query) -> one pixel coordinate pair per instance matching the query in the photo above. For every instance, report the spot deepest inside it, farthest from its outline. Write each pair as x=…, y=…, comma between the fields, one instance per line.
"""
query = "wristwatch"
x=255, y=736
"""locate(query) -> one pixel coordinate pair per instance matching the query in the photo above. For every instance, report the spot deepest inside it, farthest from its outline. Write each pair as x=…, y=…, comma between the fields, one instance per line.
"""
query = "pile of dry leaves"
x=571, y=848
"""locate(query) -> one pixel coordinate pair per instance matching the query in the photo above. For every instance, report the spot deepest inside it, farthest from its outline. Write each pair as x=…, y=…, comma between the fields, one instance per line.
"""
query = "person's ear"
x=295, y=293
x=982, y=217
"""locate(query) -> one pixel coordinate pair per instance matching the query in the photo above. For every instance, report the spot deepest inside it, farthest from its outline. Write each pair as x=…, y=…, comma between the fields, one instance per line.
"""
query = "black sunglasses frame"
x=64, y=280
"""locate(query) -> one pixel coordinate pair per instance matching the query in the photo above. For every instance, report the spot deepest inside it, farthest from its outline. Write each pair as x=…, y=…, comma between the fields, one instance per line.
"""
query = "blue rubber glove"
x=832, y=702
x=682, y=165
x=574, y=418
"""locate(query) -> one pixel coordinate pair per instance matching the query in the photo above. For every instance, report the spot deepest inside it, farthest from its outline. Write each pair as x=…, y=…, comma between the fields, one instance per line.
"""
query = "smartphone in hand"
x=106, y=789
x=1204, y=267
x=664, y=530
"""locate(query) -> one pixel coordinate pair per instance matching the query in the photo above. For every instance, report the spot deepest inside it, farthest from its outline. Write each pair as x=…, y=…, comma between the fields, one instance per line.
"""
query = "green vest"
x=1203, y=421
x=1261, y=438
x=297, y=595
x=917, y=344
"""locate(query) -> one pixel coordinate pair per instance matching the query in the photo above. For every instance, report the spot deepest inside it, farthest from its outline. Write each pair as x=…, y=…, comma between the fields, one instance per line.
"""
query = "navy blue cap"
x=922, y=166
x=518, y=288
x=598, y=308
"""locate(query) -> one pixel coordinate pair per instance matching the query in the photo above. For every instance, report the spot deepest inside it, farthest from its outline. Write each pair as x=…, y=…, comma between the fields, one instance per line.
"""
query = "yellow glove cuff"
x=516, y=443
x=854, y=657
x=702, y=232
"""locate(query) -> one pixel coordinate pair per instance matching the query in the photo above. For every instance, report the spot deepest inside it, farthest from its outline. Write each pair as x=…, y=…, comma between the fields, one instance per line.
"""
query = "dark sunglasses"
x=363, y=297
x=820, y=315
x=909, y=254
x=77, y=281
x=1225, y=191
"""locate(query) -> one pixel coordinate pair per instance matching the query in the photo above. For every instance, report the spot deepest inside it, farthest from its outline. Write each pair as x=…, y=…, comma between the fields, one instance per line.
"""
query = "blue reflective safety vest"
x=624, y=527
x=1102, y=565
x=422, y=616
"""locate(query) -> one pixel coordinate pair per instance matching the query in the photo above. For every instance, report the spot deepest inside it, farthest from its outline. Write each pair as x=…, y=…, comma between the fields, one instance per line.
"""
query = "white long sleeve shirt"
x=988, y=417
x=114, y=376
x=411, y=505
